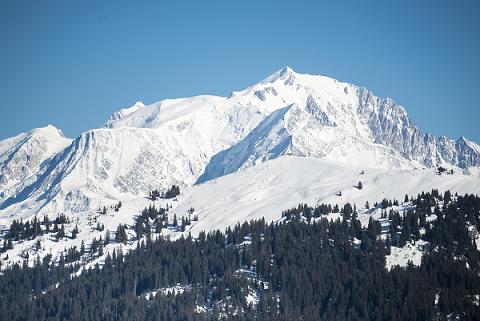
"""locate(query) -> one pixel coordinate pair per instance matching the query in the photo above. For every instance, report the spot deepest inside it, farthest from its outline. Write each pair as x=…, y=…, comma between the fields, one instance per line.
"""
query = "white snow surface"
x=173, y=290
x=269, y=188
x=401, y=256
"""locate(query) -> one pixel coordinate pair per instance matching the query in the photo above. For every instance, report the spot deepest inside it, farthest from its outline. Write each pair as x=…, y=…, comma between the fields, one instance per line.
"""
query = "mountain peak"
x=286, y=71
x=138, y=103
x=283, y=74
x=49, y=130
x=124, y=112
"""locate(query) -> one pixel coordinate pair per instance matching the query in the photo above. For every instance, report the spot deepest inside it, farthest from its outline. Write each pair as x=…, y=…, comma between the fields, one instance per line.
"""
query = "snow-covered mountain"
x=188, y=140
x=23, y=156
x=290, y=138
x=339, y=121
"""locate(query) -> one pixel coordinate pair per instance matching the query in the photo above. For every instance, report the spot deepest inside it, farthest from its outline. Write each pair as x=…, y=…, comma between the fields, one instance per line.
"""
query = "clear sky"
x=73, y=63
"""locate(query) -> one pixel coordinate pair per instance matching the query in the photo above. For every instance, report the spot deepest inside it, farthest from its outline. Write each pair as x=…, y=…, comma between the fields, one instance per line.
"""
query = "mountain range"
x=188, y=140
x=289, y=123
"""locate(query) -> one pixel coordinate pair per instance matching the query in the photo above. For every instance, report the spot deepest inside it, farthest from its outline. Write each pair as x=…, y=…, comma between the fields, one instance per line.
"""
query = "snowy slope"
x=293, y=131
x=260, y=191
x=22, y=156
x=269, y=188
x=124, y=112
x=122, y=162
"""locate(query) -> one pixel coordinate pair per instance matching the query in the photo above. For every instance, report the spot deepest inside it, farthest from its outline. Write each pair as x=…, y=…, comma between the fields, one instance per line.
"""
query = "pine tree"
x=183, y=225
x=121, y=234
x=61, y=232
x=94, y=246
x=38, y=246
x=107, y=237
x=75, y=232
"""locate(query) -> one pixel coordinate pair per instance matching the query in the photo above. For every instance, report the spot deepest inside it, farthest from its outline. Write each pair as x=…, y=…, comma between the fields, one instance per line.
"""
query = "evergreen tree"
x=121, y=234
x=61, y=232
x=75, y=232
x=107, y=237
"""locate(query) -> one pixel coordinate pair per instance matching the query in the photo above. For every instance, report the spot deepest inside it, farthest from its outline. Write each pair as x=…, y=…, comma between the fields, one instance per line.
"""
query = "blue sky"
x=73, y=63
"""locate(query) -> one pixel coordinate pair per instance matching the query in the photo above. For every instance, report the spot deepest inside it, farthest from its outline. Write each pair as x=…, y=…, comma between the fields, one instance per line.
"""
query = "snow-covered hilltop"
x=24, y=156
x=188, y=140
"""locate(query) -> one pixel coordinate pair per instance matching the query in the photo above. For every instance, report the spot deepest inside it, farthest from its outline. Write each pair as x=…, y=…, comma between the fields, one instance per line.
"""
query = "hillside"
x=288, y=139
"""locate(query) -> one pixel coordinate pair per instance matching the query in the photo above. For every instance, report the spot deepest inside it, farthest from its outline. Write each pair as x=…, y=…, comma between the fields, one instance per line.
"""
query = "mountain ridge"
x=191, y=140
x=24, y=155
